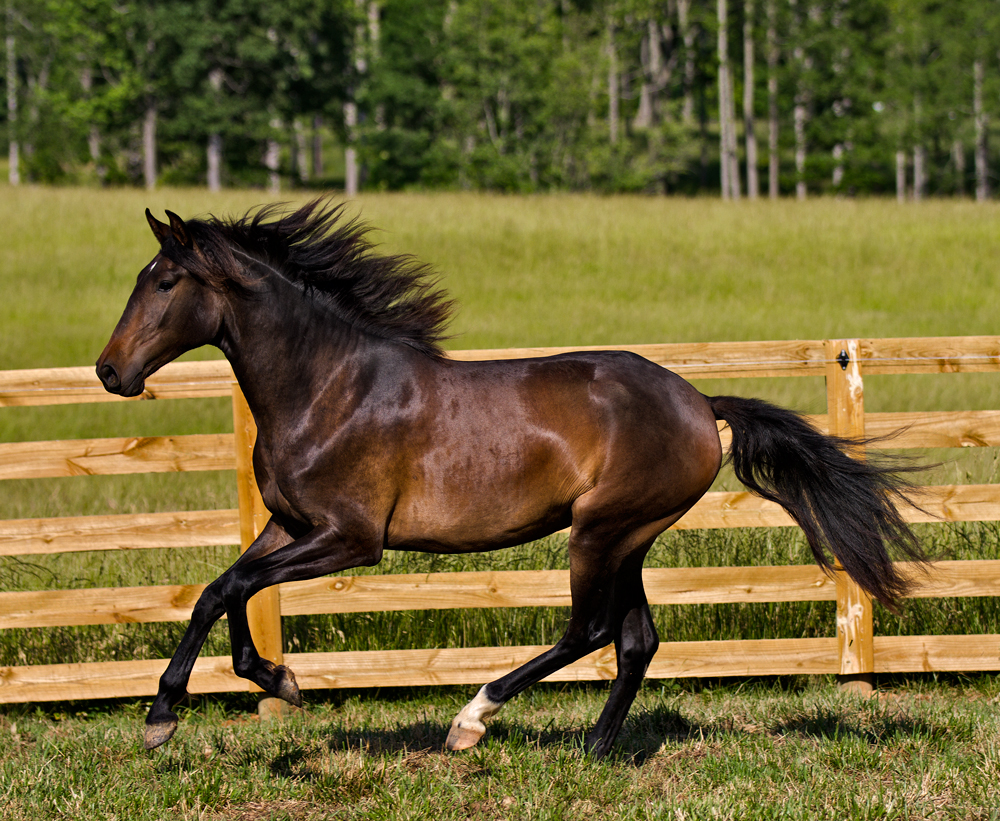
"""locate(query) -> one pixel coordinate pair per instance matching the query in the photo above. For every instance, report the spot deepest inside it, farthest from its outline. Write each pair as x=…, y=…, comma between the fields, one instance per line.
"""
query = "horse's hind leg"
x=589, y=629
x=635, y=645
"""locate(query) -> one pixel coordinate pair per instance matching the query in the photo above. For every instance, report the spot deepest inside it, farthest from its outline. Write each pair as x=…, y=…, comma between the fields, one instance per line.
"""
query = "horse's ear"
x=160, y=229
x=180, y=231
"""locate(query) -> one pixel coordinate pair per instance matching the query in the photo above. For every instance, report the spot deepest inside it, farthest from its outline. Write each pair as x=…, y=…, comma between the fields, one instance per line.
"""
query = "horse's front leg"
x=161, y=722
x=325, y=549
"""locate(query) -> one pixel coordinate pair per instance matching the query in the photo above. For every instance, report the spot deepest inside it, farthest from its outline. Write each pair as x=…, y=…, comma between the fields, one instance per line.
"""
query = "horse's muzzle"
x=109, y=377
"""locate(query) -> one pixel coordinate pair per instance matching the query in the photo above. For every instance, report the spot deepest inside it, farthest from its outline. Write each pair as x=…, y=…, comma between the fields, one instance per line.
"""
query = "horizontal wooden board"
x=128, y=531
x=110, y=679
x=893, y=654
x=697, y=360
x=939, y=503
x=933, y=429
x=46, y=386
x=548, y=588
x=433, y=591
x=927, y=654
x=104, y=457
x=79, y=385
x=953, y=579
x=947, y=354
x=116, y=605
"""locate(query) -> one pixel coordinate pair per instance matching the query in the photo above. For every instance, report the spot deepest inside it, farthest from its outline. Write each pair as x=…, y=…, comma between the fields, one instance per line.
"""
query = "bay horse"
x=370, y=438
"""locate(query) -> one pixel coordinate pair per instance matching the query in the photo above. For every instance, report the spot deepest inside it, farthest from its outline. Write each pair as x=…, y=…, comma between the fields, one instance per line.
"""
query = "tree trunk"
x=301, y=164
x=613, y=99
x=214, y=154
x=773, y=161
x=272, y=159
x=649, y=57
x=728, y=161
x=838, y=165
x=982, y=182
x=351, y=176
x=317, y=148
x=149, y=145
x=753, y=185
x=900, y=176
x=214, y=151
x=801, y=190
x=14, y=148
x=919, y=172
x=958, y=157
x=688, y=36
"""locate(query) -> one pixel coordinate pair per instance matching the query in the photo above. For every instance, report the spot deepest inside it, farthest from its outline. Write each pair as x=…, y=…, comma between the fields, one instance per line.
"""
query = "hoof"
x=159, y=733
x=285, y=687
x=464, y=734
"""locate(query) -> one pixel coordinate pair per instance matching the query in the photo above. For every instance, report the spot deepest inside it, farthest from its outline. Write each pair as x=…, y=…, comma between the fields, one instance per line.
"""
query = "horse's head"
x=171, y=310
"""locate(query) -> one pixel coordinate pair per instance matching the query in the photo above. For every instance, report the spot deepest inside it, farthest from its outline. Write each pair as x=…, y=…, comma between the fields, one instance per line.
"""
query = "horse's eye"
x=164, y=286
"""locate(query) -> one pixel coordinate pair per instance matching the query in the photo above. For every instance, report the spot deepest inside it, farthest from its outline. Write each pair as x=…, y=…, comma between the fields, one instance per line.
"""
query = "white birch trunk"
x=838, y=165
x=650, y=60
x=149, y=146
x=14, y=147
x=900, y=176
x=214, y=157
x=919, y=173
x=317, y=147
x=753, y=185
x=301, y=152
x=272, y=160
x=728, y=161
x=688, y=36
x=958, y=157
x=613, y=100
x=350, y=153
x=979, y=114
x=773, y=161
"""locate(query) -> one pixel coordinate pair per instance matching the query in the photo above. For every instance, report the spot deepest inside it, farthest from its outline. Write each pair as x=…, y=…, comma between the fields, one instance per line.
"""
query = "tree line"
x=747, y=97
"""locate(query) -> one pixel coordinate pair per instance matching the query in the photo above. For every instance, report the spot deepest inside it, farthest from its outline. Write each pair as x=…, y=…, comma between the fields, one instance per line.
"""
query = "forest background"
x=745, y=97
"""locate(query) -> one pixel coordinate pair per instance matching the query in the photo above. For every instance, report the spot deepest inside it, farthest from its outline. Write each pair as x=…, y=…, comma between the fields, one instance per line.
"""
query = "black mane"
x=393, y=297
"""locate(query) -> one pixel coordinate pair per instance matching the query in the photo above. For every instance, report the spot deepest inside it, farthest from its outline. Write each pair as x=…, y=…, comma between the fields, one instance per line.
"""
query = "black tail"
x=843, y=504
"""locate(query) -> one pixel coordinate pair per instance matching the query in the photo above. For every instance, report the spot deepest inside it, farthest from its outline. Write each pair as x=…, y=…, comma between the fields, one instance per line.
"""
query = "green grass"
x=764, y=750
x=552, y=270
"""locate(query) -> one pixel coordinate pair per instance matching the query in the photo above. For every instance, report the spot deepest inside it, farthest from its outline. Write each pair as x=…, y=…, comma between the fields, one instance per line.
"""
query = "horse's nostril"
x=109, y=376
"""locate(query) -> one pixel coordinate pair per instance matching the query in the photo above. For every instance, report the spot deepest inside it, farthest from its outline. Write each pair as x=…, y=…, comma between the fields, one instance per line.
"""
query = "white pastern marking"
x=473, y=713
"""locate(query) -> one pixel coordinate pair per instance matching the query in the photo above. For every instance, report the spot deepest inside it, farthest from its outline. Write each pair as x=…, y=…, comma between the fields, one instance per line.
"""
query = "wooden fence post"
x=264, y=609
x=845, y=399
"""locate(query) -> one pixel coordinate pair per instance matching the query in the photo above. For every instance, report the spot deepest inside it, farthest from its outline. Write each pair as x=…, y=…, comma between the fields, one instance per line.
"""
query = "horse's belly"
x=476, y=522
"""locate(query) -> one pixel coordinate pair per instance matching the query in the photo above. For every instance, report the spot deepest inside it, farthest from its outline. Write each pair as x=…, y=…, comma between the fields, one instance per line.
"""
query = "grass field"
x=552, y=270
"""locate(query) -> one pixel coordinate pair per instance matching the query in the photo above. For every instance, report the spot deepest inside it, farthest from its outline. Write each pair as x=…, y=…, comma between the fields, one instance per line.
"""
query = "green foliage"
x=505, y=95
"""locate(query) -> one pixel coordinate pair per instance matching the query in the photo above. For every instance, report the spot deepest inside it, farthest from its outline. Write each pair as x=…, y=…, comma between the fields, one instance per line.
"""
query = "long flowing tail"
x=843, y=504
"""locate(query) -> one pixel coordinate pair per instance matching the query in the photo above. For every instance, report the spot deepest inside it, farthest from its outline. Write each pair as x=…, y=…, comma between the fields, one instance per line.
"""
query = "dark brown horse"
x=369, y=439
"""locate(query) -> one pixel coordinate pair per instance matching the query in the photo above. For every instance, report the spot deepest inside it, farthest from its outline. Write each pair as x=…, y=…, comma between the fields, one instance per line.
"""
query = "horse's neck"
x=282, y=347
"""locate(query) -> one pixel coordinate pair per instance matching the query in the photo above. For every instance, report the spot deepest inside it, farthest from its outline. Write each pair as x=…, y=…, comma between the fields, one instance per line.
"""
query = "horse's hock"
x=851, y=651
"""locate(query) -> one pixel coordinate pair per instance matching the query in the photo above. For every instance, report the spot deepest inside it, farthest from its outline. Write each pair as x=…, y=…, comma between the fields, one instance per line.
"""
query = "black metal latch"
x=843, y=359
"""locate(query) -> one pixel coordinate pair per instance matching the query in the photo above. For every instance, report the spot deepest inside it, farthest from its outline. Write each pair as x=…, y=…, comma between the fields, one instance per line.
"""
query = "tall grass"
x=548, y=270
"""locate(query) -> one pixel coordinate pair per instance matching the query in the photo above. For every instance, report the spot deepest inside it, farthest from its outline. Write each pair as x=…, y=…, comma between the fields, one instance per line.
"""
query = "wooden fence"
x=851, y=650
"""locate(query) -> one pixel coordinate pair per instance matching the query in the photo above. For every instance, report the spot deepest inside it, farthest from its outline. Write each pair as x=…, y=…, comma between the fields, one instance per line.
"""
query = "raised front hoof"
x=464, y=734
x=159, y=733
x=285, y=686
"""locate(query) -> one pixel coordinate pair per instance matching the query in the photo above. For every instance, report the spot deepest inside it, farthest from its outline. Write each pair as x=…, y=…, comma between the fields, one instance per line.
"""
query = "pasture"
x=525, y=271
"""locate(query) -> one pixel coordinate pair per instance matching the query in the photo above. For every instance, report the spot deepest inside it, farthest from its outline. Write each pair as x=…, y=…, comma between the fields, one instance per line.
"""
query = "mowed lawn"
x=547, y=270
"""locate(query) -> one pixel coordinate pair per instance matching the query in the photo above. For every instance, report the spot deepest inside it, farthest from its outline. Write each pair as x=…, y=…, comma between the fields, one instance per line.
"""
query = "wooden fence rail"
x=852, y=651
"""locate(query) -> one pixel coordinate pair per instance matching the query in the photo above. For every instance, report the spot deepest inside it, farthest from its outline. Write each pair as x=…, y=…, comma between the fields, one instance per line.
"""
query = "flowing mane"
x=391, y=296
